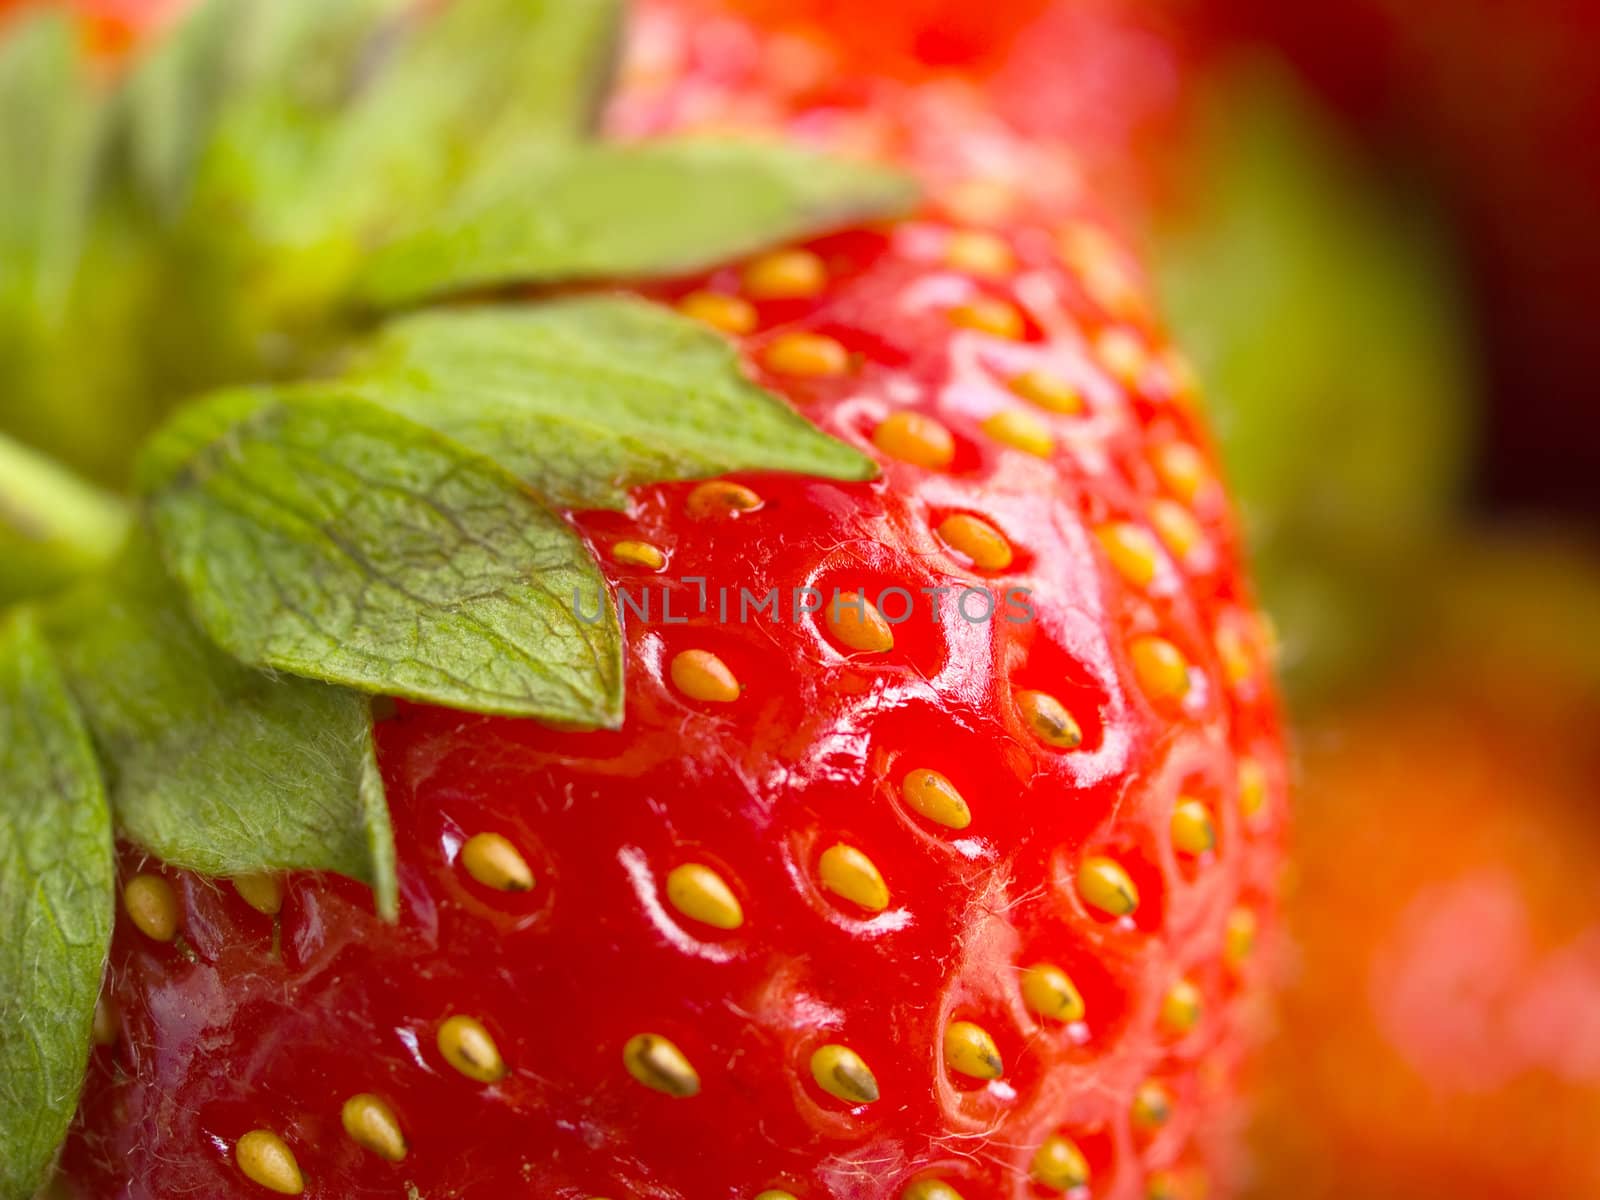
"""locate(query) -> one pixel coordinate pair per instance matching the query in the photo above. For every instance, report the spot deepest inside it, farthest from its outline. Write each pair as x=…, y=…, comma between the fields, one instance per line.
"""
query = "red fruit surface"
x=254, y=1022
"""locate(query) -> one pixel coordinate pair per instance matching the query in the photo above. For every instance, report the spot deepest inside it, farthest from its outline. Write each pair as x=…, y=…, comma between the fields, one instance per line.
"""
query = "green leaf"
x=608, y=212
x=584, y=398
x=213, y=766
x=318, y=534
x=172, y=94
x=57, y=895
x=475, y=81
x=294, y=133
x=60, y=360
x=53, y=526
x=49, y=158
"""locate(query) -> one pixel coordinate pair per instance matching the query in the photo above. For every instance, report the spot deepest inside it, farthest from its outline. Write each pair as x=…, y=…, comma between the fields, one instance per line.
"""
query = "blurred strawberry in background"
x=1440, y=1029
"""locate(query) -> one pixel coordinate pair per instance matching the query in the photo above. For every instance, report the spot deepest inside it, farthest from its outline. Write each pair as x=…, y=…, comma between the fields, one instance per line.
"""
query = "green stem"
x=54, y=527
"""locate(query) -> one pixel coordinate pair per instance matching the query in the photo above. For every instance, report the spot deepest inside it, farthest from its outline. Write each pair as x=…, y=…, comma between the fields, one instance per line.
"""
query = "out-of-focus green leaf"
x=53, y=527
x=1321, y=306
x=49, y=157
x=304, y=132
x=663, y=208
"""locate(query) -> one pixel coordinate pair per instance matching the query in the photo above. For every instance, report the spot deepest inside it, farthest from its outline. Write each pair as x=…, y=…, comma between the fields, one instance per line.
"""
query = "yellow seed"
x=1152, y=1105
x=700, y=894
x=855, y=622
x=467, y=1046
x=1177, y=527
x=1123, y=355
x=998, y=318
x=701, y=675
x=261, y=891
x=981, y=201
x=1161, y=668
x=775, y=1194
x=1161, y=1185
x=107, y=1022
x=785, y=275
x=917, y=439
x=813, y=355
x=1239, y=938
x=1050, y=993
x=720, y=498
x=496, y=863
x=1183, y=469
x=642, y=554
x=660, y=1066
x=1233, y=651
x=1132, y=551
x=979, y=253
x=730, y=314
x=840, y=1072
x=1099, y=261
x=1181, y=1007
x=1180, y=371
x=1048, y=391
x=931, y=1189
x=1104, y=885
x=1192, y=829
x=847, y=872
x=1051, y=723
x=152, y=906
x=931, y=795
x=969, y=1050
x=373, y=1126
x=980, y=541
x=1058, y=1164
x=1271, y=644
x=1021, y=431
x=266, y=1159
x=1252, y=787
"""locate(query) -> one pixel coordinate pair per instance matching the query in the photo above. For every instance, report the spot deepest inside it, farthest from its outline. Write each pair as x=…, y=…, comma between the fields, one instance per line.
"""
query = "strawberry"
x=1439, y=1036
x=913, y=837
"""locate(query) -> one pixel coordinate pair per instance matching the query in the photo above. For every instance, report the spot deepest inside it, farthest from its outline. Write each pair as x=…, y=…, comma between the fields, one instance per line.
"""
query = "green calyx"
x=356, y=505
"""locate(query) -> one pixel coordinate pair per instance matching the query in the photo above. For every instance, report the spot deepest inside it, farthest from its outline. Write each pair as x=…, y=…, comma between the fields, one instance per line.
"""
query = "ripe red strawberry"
x=948, y=892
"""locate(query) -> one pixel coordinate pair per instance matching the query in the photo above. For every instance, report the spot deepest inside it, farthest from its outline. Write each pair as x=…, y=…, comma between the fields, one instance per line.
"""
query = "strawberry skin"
x=747, y=942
